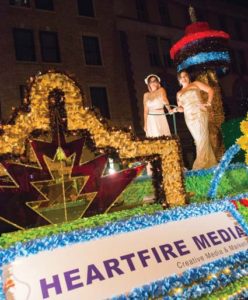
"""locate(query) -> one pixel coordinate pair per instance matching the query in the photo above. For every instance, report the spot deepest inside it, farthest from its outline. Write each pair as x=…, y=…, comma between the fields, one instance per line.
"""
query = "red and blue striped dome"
x=201, y=47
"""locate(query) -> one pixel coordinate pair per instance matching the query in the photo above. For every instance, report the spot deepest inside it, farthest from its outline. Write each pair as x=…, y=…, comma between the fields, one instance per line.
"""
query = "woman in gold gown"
x=190, y=102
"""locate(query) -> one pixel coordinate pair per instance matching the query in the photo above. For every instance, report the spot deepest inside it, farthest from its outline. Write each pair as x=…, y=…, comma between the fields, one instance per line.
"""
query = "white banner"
x=115, y=265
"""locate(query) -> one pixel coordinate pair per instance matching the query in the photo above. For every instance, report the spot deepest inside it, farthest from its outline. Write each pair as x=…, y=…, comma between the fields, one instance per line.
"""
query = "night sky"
x=238, y=2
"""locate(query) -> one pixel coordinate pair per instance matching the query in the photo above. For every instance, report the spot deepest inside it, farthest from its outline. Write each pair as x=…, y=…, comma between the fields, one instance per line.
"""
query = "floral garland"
x=211, y=276
x=236, y=290
x=243, y=210
x=60, y=239
x=81, y=118
x=243, y=140
x=8, y=239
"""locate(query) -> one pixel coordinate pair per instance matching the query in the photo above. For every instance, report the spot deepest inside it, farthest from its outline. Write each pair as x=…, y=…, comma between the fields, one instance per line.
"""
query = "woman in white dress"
x=196, y=117
x=155, y=122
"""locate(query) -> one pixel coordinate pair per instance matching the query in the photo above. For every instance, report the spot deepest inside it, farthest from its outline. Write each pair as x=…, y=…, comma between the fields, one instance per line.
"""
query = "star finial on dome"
x=192, y=14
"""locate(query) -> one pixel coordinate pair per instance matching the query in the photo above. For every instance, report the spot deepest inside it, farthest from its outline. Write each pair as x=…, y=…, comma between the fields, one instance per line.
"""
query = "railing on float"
x=173, y=117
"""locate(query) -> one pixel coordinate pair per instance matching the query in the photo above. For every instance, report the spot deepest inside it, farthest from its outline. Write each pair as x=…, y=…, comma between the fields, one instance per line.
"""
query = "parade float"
x=74, y=219
x=73, y=227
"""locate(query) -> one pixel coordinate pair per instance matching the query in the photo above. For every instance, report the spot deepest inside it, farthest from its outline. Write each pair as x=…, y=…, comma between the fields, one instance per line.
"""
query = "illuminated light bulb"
x=112, y=171
x=111, y=166
x=211, y=276
x=226, y=271
x=178, y=291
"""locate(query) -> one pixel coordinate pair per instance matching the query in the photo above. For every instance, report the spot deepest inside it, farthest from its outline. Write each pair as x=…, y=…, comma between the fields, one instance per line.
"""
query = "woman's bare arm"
x=179, y=107
x=165, y=99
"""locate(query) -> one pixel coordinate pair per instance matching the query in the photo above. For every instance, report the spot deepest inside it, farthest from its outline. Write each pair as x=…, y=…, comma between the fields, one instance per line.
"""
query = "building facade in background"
x=109, y=46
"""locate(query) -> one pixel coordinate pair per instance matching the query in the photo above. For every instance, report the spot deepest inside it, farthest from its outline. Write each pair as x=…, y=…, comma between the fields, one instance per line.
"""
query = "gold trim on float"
x=79, y=117
x=38, y=185
x=11, y=223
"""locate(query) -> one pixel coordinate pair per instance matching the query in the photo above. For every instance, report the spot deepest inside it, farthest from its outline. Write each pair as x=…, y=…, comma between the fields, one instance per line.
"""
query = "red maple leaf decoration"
x=13, y=199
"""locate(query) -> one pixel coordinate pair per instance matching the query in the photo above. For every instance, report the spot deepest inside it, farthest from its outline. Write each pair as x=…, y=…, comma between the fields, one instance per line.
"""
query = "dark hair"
x=149, y=79
x=183, y=71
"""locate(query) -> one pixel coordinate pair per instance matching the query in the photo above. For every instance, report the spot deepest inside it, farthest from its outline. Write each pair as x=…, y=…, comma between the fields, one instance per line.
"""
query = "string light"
x=79, y=119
